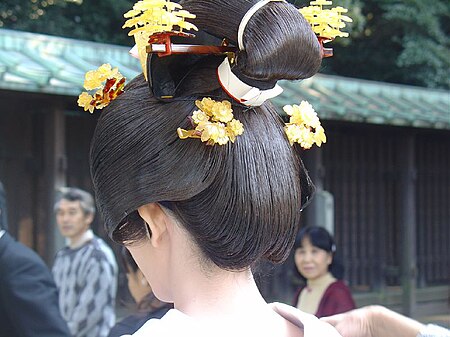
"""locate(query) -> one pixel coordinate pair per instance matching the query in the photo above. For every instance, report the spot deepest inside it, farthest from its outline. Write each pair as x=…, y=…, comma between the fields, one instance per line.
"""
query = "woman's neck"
x=199, y=288
x=232, y=301
x=323, y=280
x=219, y=293
x=210, y=296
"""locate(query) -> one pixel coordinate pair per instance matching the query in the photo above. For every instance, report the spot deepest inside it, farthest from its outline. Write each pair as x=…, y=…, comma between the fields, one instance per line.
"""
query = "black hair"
x=278, y=41
x=320, y=238
x=3, y=208
x=240, y=202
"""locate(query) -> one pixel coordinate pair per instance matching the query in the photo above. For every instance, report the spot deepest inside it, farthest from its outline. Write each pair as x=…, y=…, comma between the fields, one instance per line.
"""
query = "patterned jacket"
x=87, y=281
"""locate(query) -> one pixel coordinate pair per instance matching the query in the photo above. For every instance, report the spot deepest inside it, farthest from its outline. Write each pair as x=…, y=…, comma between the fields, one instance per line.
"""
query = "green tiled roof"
x=53, y=65
x=355, y=100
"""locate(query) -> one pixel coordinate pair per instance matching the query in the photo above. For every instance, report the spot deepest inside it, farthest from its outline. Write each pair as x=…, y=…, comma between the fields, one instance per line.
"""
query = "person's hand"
x=355, y=323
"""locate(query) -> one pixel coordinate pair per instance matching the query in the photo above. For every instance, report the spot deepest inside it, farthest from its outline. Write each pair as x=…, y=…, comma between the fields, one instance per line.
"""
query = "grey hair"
x=75, y=194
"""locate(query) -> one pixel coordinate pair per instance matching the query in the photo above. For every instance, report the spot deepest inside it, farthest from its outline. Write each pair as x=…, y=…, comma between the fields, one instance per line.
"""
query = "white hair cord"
x=247, y=18
x=242, y=92
x=231, y=84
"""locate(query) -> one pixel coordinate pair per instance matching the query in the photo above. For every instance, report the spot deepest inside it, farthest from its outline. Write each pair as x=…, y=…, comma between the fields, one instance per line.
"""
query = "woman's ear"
x=156, y=220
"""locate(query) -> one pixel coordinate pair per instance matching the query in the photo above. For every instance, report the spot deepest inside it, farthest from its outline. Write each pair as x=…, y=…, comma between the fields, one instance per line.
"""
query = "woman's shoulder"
x=338, y=286
x=336, y=299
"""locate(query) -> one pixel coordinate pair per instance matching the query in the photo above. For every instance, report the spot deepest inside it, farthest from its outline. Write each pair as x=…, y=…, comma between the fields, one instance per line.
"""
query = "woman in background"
x=325, y=293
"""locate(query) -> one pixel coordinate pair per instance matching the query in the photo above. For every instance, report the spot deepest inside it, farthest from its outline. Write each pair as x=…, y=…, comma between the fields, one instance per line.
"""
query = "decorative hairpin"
x=326, y=23
x=153, y=22
x=304, y=126
x=109, y=82
x=149, y=17
x=214, y=123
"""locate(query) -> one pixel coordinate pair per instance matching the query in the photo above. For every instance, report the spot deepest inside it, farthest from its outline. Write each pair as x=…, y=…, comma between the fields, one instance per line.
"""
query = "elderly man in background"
x=85, y=270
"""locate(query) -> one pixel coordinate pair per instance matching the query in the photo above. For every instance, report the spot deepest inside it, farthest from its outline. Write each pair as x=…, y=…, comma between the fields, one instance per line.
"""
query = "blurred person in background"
x=28, y=295
x=85, y=271
x=147, y=305
x=325, y=293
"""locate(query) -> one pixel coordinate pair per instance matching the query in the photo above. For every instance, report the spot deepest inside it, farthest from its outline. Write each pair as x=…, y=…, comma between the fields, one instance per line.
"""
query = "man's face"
x=72, y=221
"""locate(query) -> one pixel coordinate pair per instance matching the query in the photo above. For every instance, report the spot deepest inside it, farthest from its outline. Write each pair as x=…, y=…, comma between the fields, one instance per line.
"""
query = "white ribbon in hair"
x=241, y=91
x=247, y=17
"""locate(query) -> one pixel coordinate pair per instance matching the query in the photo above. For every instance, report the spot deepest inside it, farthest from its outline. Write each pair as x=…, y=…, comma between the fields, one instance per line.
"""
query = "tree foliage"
x=400, y=41
x=403, y=41
x=95, y=20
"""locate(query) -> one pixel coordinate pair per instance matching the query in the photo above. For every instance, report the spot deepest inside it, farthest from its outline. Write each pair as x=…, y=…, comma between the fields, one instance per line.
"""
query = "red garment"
x=336, y=299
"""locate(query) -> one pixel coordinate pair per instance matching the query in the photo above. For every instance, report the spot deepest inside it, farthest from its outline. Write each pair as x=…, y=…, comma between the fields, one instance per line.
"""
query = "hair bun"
x=278, y=41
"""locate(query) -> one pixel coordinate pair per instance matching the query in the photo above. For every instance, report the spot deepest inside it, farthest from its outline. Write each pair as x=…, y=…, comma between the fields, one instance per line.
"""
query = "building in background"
x=383, y=176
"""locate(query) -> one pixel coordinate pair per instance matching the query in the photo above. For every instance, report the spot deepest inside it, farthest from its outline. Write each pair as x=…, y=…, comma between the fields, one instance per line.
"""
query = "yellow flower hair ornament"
x=214, y=123
x=156, y=16
x=109, y=83
x=304, y=126
x=326, y=23
x=149, y=17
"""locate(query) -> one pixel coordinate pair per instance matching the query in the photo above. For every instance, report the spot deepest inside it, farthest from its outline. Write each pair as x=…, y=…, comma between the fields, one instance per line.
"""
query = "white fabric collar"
x=87, y=236
x=242, y=92
x=176, y=323
x=2, y=232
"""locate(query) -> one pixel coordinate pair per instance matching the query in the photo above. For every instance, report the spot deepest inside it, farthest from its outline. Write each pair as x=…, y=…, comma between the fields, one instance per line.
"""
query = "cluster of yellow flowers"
x=326, y=23
x=215, y=123
x=304, y=126
x=109, y=83
x=155, y=16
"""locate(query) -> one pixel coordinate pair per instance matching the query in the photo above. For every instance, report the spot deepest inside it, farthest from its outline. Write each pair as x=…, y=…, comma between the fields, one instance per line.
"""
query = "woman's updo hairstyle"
x=239, y=202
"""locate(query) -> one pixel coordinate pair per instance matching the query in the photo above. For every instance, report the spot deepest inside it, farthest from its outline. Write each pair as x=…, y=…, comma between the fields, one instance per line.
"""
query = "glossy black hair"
x=240, y=202
x=320, y=238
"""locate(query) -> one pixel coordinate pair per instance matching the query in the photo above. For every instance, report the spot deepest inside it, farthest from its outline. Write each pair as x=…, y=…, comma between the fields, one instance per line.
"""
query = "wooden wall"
x=364, y=167
x=44, y=146
x=22, y=167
